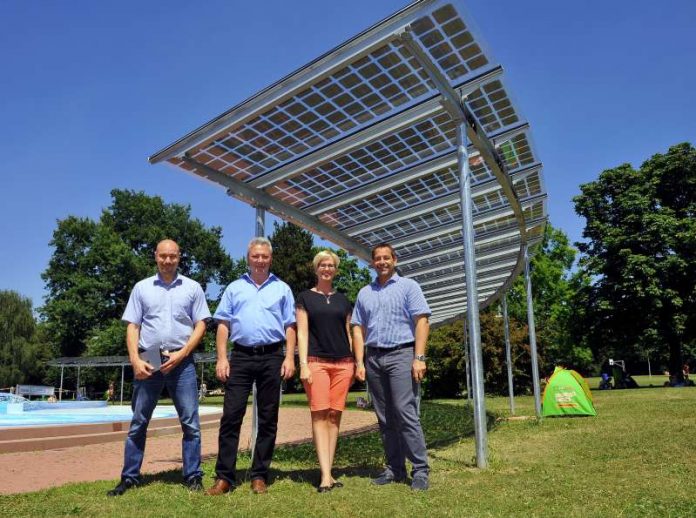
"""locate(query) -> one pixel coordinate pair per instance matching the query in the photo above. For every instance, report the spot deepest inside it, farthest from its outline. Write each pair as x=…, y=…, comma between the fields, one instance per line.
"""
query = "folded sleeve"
x=134, y=309
x=200, y=310
x=224, y=309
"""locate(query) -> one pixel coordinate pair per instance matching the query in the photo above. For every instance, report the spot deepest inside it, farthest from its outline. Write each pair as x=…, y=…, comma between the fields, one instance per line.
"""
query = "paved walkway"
x=32, y=471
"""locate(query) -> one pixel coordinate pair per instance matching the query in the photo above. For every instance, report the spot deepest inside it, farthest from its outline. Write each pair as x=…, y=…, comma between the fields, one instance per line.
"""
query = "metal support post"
x=123, y=369
x=77, y=389
x=508, y=355
x=532, y=335
x=467, y=365
x=259, y=231
x=60, y=393
x=472, y=308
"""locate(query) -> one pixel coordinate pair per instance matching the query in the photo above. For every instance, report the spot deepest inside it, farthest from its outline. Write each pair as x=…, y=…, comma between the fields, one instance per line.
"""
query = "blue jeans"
x=183, y=389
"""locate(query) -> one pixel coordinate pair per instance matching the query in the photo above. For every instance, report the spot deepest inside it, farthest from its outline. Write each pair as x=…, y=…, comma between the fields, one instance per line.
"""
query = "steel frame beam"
x=257, y=197
x=508, y=354
x=438, y=203
x=532, y=335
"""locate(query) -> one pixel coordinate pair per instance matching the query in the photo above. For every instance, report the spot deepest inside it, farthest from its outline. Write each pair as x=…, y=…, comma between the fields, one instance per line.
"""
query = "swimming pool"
x=76, y=413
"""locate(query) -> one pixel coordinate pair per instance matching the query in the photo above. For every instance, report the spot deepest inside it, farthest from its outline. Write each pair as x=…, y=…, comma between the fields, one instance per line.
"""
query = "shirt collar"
x=271, y=278
x=391, y=280
x=177, y=280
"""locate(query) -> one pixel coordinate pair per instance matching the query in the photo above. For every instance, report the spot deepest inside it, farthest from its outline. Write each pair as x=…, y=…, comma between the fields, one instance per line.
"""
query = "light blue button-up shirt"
x=166, y=313
x=387, y=312
x=258, y=315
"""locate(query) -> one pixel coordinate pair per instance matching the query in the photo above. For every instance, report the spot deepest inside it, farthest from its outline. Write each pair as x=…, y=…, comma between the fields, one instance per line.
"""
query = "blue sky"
x=88, y=90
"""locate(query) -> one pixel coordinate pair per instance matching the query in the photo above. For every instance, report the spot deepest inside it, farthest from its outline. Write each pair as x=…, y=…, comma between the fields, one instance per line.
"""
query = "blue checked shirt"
x=387, y=312
x=258, y=315
x=166, y=313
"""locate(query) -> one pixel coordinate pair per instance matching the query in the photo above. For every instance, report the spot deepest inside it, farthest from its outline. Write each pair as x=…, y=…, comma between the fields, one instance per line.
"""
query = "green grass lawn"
x=634, y=459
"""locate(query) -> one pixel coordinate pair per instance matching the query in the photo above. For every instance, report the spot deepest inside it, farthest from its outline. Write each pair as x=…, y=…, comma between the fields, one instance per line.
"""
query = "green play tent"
x=566, y=394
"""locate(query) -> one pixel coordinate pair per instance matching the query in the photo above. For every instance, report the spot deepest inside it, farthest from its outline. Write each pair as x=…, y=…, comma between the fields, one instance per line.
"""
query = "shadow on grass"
x=357, y=455
x=363, y=455
x=173, y=476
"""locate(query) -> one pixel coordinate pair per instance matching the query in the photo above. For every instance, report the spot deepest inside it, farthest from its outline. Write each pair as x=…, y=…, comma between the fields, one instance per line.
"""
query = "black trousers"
x=245, y=369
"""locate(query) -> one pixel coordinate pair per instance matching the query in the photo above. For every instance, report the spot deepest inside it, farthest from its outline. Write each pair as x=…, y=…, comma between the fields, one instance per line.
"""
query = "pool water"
x=64, y=413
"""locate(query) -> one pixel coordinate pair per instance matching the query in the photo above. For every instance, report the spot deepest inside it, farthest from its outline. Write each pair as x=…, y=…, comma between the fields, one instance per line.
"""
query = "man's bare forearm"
x=358, y=344
x=132, y=339
x=422, y=332
x=221, y=336
x=195, y=338
x=290, y=342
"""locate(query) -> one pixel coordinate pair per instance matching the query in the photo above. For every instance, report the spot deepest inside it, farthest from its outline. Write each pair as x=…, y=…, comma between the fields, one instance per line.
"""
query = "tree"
x=553, y=294
x=292, y=256
x=447, y=362
x=640, y=251
x=22, y=355
x=95, y=264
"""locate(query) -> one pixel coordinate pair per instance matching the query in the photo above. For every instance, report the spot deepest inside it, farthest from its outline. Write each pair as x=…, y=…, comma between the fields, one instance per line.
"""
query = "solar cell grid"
x=406, y=195
x=516, y=152
x=366, y=89
x=333, y=139
x=412, y=145
x=422, y=246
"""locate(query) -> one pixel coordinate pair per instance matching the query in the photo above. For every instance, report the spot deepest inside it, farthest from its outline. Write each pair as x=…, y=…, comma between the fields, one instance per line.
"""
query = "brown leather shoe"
x=258, y=486
x=220, y=488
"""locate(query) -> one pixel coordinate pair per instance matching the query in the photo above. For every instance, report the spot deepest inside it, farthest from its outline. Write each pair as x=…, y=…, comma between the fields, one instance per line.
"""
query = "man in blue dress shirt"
x=390, y=331
x=165, y=312
x=257, y=315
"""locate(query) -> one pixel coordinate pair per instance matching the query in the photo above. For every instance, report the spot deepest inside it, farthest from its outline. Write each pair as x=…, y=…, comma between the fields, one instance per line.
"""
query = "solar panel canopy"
x=358, y=147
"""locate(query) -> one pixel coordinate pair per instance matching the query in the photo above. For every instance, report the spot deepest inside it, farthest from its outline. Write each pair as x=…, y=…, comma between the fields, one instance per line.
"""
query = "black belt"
x=407, y=345
x=258, y=349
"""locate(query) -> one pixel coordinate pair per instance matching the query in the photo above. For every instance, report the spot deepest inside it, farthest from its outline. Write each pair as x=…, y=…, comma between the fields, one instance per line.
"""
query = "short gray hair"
x=259, y=241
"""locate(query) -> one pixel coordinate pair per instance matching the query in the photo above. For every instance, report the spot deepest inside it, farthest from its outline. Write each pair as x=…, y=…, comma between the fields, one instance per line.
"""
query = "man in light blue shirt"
x=257, y=314
x=166, y=313
x=390, y=331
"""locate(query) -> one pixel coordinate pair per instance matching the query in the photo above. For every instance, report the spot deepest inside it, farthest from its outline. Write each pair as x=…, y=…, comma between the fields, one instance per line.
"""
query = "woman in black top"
x=326, y=359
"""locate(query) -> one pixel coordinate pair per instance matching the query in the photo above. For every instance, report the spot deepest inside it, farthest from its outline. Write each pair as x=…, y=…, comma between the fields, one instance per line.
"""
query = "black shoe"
x=194, y=484
x=336, y=484
x=324, y=489
x=122, y=487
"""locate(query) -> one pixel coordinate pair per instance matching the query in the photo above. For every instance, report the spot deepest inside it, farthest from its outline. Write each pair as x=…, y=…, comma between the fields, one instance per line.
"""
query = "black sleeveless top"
x=326, y=318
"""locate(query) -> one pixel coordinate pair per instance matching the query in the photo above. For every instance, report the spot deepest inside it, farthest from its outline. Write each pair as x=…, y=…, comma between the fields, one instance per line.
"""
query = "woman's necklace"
x=325, y=295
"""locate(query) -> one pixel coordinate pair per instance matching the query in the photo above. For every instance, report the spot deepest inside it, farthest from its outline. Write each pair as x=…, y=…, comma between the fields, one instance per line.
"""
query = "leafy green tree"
x=22, y=354
x=553, y=293
x=640, y=252
x=292, y=256
x=95, y=264
x=447, y=362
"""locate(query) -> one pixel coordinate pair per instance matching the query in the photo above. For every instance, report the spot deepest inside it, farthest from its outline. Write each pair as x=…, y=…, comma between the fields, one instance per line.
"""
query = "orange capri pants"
x=331, y=379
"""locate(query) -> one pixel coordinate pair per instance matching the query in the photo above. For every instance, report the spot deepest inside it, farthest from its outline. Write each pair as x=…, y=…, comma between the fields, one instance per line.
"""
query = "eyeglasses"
x=326, y=267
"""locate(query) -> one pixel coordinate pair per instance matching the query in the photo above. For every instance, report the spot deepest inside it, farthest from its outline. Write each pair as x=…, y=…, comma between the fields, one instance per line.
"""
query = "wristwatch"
x=420, y=357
